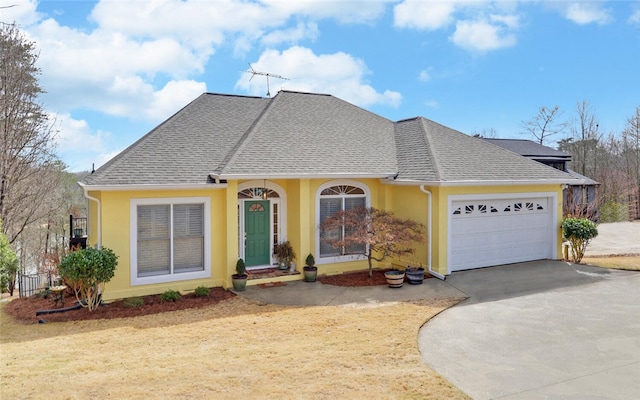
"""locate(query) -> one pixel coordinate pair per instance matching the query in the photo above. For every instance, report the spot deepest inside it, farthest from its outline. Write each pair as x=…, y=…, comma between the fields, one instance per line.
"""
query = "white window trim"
x=282, y=215
x=133, y=256
x=338, y=182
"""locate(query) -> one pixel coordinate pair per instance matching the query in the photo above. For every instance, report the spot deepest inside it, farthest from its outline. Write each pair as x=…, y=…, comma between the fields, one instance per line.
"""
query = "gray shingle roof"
x=306, y=135
x=303, y=134
x=185, y=148
x=452, y=156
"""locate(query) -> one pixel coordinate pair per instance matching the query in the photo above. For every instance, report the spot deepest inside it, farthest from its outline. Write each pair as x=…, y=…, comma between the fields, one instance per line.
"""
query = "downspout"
x=86, y=194
x=429, y=230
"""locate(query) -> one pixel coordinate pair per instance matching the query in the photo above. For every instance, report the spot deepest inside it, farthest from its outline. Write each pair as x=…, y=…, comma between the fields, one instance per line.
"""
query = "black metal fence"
x=30, y=284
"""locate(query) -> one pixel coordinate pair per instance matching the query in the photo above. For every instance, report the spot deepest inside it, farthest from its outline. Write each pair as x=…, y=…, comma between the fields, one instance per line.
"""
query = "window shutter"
x=328, y=207
x=153, y=240
x=188, y=237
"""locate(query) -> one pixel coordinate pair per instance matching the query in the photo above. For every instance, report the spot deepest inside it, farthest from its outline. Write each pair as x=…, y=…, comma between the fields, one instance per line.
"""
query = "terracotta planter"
x=415, y=276
x=395, y=279
x=310, y=273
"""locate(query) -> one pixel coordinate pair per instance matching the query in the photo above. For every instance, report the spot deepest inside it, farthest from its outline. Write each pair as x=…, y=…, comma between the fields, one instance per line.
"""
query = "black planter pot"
x=415, y=276
x=310, y=273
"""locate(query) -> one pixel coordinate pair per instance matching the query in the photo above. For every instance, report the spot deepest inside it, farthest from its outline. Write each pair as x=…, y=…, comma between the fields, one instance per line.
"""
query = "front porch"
x=269, y=275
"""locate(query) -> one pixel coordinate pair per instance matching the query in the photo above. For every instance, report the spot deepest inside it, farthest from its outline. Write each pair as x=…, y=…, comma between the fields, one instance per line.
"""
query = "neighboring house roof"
x=531, y=149
x=538, y=152
x=586, y=180
x=295, y=135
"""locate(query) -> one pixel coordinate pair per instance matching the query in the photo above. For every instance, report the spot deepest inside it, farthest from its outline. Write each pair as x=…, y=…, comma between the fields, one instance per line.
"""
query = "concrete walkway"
x=540, y=330
x=300, y=293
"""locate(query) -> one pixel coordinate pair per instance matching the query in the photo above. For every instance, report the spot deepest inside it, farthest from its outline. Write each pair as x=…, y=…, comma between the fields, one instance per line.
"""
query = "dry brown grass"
x=236, y=349
x=628, y=262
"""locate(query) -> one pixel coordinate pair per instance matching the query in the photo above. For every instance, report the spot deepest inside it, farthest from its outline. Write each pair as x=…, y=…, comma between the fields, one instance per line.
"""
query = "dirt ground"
x=232, y=349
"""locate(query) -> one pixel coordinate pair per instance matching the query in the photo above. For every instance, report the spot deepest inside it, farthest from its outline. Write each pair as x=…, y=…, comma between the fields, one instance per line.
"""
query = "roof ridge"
x=232, y=95
x=430, y=145
x=244, y=139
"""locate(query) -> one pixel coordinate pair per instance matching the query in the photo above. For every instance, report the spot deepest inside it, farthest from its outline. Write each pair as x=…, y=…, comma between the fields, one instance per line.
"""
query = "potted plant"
x=310, y=270
x=285, y=255
x=239, y=279
x=395, y=278
x=415, y=273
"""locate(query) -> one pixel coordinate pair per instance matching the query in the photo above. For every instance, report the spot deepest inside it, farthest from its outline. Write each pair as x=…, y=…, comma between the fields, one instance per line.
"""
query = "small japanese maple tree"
x=371, y=232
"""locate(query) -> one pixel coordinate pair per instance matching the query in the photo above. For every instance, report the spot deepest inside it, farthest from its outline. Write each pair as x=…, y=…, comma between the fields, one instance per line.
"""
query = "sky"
x=113, y=70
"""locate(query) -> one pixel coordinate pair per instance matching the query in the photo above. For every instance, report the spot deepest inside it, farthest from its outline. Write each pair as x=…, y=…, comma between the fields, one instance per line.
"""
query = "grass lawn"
x=630, y=263
x=235, y=349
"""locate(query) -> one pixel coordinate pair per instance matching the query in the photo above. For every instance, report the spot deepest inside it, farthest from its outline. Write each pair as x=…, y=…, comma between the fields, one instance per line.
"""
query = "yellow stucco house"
x=229, y=176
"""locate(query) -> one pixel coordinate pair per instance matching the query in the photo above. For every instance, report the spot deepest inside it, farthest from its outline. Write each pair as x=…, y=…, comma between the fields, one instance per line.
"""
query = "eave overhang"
x=476, y=183
x=386, y=175
x=126, y=187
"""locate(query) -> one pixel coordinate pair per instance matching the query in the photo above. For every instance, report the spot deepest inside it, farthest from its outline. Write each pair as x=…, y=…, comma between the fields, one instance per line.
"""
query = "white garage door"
x=487, y=232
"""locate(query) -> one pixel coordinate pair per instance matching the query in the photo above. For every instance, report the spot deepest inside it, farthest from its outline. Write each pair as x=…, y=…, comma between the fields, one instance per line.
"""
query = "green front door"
x=256, y=230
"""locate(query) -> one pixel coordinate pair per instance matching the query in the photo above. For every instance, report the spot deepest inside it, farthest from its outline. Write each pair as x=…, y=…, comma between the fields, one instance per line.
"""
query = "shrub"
x=613, y=212
x=310, y=261
x=579, y=232
x=87, y=271
x=241, y=268
x=170, y=295
x=133, y=302
x=201, y=291
x=8, y=265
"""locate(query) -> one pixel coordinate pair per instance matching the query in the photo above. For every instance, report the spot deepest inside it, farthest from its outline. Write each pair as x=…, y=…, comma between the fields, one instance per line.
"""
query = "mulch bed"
x=357, y=278
x=24, y=309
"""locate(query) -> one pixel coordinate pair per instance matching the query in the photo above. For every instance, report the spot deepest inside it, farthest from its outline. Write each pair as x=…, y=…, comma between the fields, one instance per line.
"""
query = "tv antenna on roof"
x=253, y=73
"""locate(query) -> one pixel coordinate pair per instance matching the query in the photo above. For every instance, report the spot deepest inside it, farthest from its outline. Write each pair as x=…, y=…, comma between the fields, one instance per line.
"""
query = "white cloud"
x=134, y=98
x=172, y=97
x=77, y=144
x=22, y=12
x=475, y=28
x=432, y=104
x=292, y=35
x=424, y=75
x=483, y=35
x=583, y=13
x=634, y=18
x=419, y=14
x=346, y=12
x=118, y=66
x=339, y=74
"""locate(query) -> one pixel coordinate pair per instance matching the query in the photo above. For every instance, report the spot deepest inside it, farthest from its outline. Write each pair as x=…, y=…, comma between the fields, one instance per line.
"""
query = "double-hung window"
x=334, y=199
x=169, y=240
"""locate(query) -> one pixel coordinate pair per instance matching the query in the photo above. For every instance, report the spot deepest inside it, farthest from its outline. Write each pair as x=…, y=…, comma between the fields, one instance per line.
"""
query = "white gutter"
x=115, y=188
x=487, y=183
x=86, y=194
x=346, y=175
x=429, y=230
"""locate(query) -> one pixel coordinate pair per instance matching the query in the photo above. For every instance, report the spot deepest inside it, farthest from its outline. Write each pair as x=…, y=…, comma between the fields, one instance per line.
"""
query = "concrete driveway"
x=540, y=330
x=616, y=238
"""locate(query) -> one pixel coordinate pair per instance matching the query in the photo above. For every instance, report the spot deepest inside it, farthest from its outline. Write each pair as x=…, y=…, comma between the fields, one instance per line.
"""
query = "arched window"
x=335, y=198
